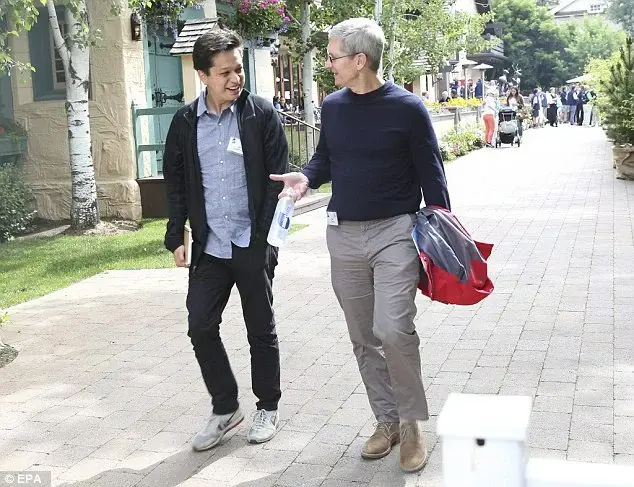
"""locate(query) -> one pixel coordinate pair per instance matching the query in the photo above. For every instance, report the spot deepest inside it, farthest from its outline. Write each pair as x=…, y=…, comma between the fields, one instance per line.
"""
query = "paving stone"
x=557, y=328
x=553, y=404
x=304, y=474
x=590, y=451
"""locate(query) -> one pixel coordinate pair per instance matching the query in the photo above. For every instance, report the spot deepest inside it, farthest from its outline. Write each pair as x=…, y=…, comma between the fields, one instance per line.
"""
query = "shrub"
x=618, y=106
x=16, y=203
x=456, y=143
x=467, y=105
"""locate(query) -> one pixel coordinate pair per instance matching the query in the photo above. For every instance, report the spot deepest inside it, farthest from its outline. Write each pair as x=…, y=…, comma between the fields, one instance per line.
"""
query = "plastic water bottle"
x=281, y=220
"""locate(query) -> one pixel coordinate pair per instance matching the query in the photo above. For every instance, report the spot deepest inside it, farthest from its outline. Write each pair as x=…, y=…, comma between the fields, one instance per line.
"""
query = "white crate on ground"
x=483, y=445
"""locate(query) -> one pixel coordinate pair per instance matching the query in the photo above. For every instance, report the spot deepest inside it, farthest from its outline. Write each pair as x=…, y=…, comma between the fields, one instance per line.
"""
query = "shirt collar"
x=202, y=106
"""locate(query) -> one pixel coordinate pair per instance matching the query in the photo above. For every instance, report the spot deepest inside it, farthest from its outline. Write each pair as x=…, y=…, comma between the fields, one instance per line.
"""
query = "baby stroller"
x=507, y=127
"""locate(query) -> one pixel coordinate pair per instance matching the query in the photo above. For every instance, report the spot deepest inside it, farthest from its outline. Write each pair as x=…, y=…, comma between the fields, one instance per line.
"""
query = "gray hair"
x=361, y=35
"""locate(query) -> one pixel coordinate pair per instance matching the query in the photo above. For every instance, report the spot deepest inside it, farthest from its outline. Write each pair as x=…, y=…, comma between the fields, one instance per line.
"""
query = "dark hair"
x=211, y=43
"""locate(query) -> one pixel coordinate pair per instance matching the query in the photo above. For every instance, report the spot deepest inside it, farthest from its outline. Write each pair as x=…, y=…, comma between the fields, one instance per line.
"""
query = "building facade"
x=577, y=10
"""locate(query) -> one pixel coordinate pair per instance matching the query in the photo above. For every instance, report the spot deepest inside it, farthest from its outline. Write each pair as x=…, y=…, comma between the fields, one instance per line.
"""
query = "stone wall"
x=118, y=79
x=444, y=122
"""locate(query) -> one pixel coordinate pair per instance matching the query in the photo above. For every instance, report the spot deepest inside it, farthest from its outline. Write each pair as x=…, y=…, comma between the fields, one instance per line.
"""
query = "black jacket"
x=265, y=152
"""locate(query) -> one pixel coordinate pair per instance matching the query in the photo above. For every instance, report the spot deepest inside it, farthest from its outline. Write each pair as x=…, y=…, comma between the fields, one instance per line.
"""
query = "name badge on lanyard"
x=235, y=146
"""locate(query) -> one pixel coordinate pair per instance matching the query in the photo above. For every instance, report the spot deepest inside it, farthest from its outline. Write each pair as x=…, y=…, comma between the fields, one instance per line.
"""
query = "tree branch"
x=290, y=16
x=60, y=43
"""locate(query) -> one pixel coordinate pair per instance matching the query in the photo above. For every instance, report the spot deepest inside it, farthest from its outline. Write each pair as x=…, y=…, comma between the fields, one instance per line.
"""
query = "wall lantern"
x=135, y=26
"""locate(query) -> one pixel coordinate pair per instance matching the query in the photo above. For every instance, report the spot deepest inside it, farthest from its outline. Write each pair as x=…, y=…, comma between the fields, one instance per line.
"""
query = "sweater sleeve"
x=427, y=159
x=318, y=169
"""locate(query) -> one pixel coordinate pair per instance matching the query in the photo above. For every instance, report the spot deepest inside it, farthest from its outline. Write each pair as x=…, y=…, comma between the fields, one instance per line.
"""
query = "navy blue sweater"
x=379, y=150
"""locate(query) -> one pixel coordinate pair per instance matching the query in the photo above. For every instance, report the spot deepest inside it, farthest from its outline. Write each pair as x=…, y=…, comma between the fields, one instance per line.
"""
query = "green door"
x=166, y=85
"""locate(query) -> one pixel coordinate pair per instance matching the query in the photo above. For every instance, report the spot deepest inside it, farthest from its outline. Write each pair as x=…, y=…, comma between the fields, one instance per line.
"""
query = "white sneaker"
x=264, y=427
x=217, y=427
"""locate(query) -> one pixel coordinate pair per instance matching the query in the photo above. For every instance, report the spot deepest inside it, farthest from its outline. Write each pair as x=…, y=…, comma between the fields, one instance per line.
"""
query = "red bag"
x=453, y=265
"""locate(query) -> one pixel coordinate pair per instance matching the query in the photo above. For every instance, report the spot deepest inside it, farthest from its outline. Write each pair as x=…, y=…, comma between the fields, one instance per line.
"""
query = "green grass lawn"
x=37, y=266
x=325, y=188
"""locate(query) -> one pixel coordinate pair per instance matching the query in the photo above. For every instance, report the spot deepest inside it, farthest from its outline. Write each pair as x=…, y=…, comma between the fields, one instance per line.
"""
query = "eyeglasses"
x=333, y=59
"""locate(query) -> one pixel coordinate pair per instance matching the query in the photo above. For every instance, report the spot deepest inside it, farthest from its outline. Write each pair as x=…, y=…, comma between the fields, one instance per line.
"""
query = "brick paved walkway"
x=106, y=391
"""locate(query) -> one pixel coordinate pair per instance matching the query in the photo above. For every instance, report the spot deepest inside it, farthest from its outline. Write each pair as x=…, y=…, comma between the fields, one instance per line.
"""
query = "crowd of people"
x=574, y=105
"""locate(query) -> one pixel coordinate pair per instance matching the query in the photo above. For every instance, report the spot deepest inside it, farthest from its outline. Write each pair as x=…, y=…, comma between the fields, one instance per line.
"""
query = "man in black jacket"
x=219, y=152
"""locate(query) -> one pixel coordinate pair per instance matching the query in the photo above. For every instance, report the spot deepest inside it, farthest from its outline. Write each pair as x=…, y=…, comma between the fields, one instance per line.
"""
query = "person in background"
x=423, y=96
x=582, y=99
x=378, y=147
x=573, y=98
x=564, y=110
x=477, y=91
x=543, y=106
x=535, y=107
x=490, y=109
x=516, y=101
x=219, y=153
x=591, y=116
x=551, y=111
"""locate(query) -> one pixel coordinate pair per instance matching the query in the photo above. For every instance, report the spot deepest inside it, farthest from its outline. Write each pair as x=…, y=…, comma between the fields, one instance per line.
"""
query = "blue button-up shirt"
x=224, y=181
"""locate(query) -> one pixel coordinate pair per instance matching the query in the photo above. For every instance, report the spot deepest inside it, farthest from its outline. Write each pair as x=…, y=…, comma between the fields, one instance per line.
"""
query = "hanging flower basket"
x=162, y=14
x=258, y=19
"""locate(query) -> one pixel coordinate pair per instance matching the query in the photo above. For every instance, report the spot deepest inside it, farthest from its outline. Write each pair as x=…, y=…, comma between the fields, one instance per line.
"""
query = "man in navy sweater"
x=377, y=146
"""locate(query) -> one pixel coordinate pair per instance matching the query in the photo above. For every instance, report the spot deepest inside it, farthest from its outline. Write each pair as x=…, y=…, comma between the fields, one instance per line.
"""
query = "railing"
x=302, y=139
x=153, y=147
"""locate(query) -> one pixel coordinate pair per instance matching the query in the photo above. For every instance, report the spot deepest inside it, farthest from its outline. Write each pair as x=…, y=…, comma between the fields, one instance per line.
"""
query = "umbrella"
x=580, y=79
x=483, y=66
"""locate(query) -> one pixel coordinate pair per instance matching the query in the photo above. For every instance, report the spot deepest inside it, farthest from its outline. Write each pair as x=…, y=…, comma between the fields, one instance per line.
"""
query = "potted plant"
x=12, y=141
x=617, y=107
x=258, y=19
x=159, y=14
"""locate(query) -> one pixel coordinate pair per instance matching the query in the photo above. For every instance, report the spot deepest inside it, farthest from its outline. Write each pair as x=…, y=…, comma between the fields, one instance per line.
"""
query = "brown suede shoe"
x=380, y=443
x=413, y=449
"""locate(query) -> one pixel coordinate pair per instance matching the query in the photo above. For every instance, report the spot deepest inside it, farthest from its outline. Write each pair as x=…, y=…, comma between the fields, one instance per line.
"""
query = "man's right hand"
x=297, y=181
x=179, y=257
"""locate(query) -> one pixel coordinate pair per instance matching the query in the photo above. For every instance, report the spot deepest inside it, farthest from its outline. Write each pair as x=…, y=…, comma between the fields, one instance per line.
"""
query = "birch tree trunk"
x=84, y=212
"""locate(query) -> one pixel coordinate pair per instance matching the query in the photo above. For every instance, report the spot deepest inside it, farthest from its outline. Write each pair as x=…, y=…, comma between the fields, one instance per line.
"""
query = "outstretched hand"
x=297, y=182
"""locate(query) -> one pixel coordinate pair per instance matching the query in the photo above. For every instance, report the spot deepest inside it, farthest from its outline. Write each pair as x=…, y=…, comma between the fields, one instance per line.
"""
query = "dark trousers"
x=210, y=284
x=580, y=114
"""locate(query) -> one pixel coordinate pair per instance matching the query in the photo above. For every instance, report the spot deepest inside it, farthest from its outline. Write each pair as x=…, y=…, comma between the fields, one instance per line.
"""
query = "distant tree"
x=622, y=13
x=534, y=42
x=595, y=38
x=427, y=29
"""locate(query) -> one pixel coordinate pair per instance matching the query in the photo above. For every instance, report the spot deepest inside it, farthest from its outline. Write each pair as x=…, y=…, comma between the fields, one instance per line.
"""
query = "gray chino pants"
x=375, y=272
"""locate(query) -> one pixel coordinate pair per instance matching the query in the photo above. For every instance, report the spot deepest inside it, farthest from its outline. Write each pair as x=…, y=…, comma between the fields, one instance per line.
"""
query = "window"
x=59, y=76
x=596, y=8
x=49, y=78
